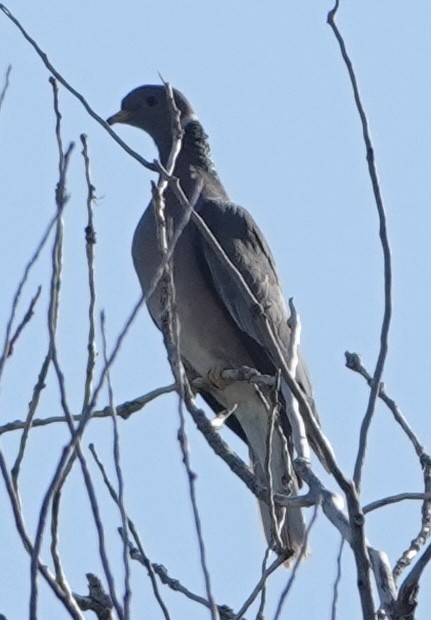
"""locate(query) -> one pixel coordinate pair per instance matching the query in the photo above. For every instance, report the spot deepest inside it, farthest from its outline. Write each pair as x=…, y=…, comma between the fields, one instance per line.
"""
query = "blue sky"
x=269, y=86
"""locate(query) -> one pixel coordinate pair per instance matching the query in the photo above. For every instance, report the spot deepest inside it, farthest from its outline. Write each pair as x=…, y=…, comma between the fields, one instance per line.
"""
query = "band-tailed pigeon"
x=218, y=329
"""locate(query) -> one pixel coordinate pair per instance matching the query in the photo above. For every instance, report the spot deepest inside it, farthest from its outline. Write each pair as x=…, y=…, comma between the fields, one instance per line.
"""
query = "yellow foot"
x=216, y=379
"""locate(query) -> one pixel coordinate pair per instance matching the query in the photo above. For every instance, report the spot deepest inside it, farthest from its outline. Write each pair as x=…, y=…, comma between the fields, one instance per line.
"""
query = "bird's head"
x=149, y=108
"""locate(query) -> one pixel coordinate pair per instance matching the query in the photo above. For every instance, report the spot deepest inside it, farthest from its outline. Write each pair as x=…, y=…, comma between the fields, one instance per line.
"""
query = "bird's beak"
x=120, y=117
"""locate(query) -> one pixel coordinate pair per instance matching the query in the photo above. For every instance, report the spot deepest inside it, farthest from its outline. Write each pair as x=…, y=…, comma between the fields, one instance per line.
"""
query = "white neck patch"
x=190, y=118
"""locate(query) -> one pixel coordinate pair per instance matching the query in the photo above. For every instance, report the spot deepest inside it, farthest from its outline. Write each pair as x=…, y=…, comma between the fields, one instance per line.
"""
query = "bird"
x=218, y=329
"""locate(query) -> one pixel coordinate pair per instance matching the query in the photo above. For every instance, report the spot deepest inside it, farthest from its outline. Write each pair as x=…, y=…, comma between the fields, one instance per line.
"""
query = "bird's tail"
x=289, y=522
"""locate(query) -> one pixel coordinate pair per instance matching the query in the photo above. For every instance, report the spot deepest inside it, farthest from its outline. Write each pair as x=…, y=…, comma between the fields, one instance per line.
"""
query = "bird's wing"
x=245, y=246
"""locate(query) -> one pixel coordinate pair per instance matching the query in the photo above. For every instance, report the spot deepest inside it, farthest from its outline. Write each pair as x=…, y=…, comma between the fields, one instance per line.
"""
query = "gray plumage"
x=218, y=329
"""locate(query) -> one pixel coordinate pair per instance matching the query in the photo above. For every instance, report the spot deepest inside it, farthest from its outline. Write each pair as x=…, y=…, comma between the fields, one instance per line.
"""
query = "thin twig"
x=26, y=319
x=333, y=511
x=5, y=84
x=171, y=332
x=20, y=287
x=225, y=612
x=362, y=561
x=120, y=481
x=69, y=454
x=63, y=596
x=384, y=240
x=73, y=448
x=131, y=527
x=353, y=362
x=260, y=584
x=174, y=584
x=261, y=611
x=54, y=528
x=143, y=298
x=393, y=499
x=90, y=242
x=295, y=567
x=337, y=582
x=124, y=411
x=61, y=199
x=43, y=56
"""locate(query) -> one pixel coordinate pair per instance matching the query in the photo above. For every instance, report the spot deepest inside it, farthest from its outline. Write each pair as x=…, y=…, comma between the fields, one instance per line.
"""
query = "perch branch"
x=125, y=410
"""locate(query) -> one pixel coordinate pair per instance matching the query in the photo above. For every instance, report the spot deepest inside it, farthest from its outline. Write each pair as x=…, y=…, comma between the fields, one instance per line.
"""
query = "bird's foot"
x=216, y=377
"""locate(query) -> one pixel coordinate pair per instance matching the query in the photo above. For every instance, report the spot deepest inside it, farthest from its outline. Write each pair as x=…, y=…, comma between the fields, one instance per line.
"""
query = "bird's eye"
x=151, y=100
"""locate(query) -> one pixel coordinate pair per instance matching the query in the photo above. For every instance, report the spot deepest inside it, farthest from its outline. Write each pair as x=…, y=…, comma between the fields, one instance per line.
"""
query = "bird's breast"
x=208, y=336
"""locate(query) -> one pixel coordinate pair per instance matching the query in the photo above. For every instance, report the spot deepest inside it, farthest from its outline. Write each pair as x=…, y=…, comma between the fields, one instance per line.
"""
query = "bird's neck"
x=194, y=164
x=196, y=148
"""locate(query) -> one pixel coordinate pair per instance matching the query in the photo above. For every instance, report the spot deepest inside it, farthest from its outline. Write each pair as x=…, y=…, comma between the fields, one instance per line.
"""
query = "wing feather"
x=244, y=244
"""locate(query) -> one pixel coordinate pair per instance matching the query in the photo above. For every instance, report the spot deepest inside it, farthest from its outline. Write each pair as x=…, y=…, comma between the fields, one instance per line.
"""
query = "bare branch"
x=384, y=579
x=332, y=509
x=407, y=598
